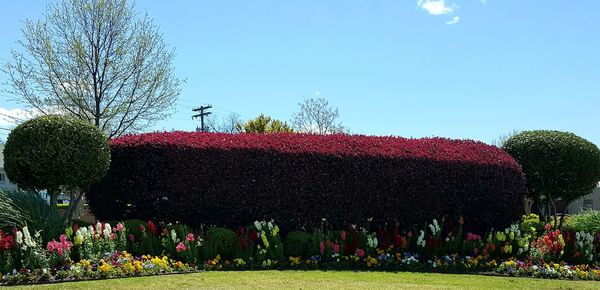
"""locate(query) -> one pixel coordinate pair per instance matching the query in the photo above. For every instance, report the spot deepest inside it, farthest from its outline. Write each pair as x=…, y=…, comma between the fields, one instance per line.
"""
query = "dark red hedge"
x=298, y=179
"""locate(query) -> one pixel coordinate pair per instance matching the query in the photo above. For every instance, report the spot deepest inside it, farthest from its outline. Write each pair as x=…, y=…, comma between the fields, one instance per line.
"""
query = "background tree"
x=264, y=124
x=56, y=153
x=96, y=61
x=316, y=116
x=229, y=124
x=556, y=165
x=501, y=140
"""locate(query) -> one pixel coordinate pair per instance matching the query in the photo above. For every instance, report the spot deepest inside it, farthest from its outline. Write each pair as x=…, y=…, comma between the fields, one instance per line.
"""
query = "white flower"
x=258, y=226
x=19, y=236
x=421, y=240
x=107, y=231
x=27, y=238
x=173, y=236
x=270, y=224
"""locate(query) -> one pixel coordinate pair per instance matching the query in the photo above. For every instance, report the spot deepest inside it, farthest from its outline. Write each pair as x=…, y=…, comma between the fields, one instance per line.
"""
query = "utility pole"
x=201, y=109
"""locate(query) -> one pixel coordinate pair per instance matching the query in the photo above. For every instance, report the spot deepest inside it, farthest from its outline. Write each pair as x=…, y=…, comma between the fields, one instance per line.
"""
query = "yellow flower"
x=128, y=267
x=371, y=261
x=85, y=263
x=77, y=241
x=264, y=239
x=294, y=261
x=104, y=268
x=161, y=262
x=137, y=265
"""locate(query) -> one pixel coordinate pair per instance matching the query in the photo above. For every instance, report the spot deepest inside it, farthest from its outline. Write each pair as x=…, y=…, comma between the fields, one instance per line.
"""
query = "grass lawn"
x=322, y=280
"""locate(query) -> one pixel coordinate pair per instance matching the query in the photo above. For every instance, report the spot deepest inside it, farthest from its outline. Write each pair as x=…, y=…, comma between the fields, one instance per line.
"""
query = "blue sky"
x=455, y=68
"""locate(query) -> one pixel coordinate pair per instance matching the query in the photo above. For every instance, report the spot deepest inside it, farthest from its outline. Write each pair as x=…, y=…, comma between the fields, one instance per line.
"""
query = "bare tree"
x=97, y=61
x=230, y=124
x=501, y=140
x=316, y=116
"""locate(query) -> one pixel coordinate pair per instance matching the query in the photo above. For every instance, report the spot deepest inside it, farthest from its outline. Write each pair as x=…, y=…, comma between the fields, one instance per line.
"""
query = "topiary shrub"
x=298, y=179
x=297, y=244
x=220, y=241
x=56, y=153
x=556, y=164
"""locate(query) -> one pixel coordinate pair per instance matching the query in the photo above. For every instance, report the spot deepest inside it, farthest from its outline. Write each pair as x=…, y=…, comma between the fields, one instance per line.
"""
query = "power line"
x=13, y=117
x=201, y=109
x=215, y=107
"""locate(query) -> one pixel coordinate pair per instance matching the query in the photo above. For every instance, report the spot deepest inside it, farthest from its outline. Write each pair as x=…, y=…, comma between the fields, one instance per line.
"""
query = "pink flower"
x=190, y=237
x=343, y=235
x=322, y=247
x=59, y=247
x=180, y=247
x=360, y=252
x=119, y=227
x=51, y=246
x=336, y=248
x=112, y=236
x=548, y=226
x=473, y=237
x=131, y=237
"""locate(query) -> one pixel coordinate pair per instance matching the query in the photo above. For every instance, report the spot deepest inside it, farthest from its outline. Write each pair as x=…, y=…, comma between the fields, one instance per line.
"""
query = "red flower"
x=7, y=242
x=152, y=228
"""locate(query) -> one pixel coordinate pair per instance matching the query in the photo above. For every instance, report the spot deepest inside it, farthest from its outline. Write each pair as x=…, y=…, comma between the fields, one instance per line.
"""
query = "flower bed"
x=135, y=248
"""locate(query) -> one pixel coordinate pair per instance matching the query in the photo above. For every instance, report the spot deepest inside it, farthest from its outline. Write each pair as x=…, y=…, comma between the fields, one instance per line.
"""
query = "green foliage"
x=264, y=124
x=28, y=209
x=556, y=164
x=586, y=221
x=531, y=224
x=144, y=242
x=56, y=152
x=10, y=215
x=220, y=241
x=297, y=244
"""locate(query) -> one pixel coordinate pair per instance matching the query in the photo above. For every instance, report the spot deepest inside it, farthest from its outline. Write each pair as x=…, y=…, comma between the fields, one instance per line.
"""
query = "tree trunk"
x=74, y=202
x=53, y=192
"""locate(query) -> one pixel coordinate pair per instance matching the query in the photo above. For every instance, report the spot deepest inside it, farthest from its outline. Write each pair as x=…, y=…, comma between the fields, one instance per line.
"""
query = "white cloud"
x=317, y=93
x=436, y=7
x=454, y=20
x=12, y=117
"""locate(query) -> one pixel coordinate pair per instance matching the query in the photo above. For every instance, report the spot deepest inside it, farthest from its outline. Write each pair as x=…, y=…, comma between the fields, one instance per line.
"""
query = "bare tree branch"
x=316, y=116
x=97, y=61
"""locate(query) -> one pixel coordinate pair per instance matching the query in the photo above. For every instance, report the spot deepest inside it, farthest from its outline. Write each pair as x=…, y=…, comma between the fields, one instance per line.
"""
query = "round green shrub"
x=220, y=241
x=297, y=244
x=555, y=163
x=56, y=152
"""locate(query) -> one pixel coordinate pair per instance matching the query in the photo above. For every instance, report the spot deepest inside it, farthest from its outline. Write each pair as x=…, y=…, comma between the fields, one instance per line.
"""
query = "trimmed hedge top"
x=298, y=179
x=440, y=149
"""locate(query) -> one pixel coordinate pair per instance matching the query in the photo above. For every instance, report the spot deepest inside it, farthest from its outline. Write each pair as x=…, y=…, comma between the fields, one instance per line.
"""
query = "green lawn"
x=322, y=280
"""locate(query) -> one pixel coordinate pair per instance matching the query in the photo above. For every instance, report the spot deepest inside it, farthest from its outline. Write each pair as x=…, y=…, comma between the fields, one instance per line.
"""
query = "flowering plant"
x=549, y=247
x=59, y=250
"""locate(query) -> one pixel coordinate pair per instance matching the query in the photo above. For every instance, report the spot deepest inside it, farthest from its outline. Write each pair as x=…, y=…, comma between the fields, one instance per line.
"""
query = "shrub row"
x=298, y=179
